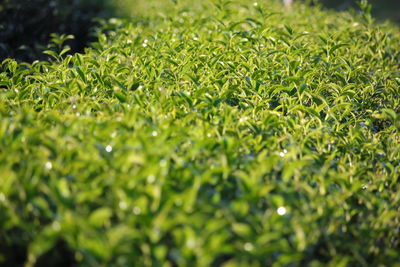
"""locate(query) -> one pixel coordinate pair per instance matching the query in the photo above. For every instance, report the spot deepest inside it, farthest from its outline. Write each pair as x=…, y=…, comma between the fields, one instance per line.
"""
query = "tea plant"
x=225, y=133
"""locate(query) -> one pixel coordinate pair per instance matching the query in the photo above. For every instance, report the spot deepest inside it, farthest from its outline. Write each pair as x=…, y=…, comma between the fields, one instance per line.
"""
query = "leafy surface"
x=218, y=134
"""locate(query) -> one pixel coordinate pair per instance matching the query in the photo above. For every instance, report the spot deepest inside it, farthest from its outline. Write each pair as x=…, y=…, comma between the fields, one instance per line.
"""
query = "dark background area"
x=26, y=25
x=381, y=9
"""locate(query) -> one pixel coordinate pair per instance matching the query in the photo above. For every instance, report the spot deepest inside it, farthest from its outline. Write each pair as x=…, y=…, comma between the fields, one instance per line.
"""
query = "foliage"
x=224, y=134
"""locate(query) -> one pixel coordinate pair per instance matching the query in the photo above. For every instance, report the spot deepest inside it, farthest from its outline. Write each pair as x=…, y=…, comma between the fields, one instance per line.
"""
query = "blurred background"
x=381, y=9
x=26, y=25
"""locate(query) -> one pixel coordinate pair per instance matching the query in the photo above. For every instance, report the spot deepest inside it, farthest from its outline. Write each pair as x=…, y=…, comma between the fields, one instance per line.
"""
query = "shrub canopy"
x=224, y=133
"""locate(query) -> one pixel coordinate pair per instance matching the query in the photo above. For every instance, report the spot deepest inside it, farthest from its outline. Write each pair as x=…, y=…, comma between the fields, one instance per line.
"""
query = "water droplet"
x=136, y=210
x=144, y=45
x=151, y=178
x=248, y=247
x=154, y=133
x=78, y=114
x=208, y=135
x=191, y=243
x=56, y=226
x=163, y=163
x=243, y=119
x=283, y=153
x=255, y=4
x=48, y=165
x=95, y=89
x=156, y=231
x=109, y=148
x=114, y=134
x=122, y=205
x=281, y=211
x=74, y=106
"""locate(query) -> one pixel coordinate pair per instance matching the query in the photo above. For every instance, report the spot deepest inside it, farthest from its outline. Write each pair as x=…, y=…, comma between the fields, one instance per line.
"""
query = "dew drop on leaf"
x=248, y=246
x=281, y=211
x=48, y=165
x=136, y=210
x=56, y=226
x=151, y=178
x=122, y=205
x=163, y=163
x=191, y=243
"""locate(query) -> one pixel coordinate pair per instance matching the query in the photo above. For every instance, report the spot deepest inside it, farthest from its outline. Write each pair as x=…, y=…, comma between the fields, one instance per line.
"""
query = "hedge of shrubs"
x=230, y=133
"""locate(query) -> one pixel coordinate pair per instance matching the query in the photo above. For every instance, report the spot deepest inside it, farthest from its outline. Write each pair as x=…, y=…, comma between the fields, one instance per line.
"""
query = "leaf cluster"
x=227, y=133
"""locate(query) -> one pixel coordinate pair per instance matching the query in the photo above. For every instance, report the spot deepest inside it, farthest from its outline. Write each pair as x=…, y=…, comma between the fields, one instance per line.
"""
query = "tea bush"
x=227, y=133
